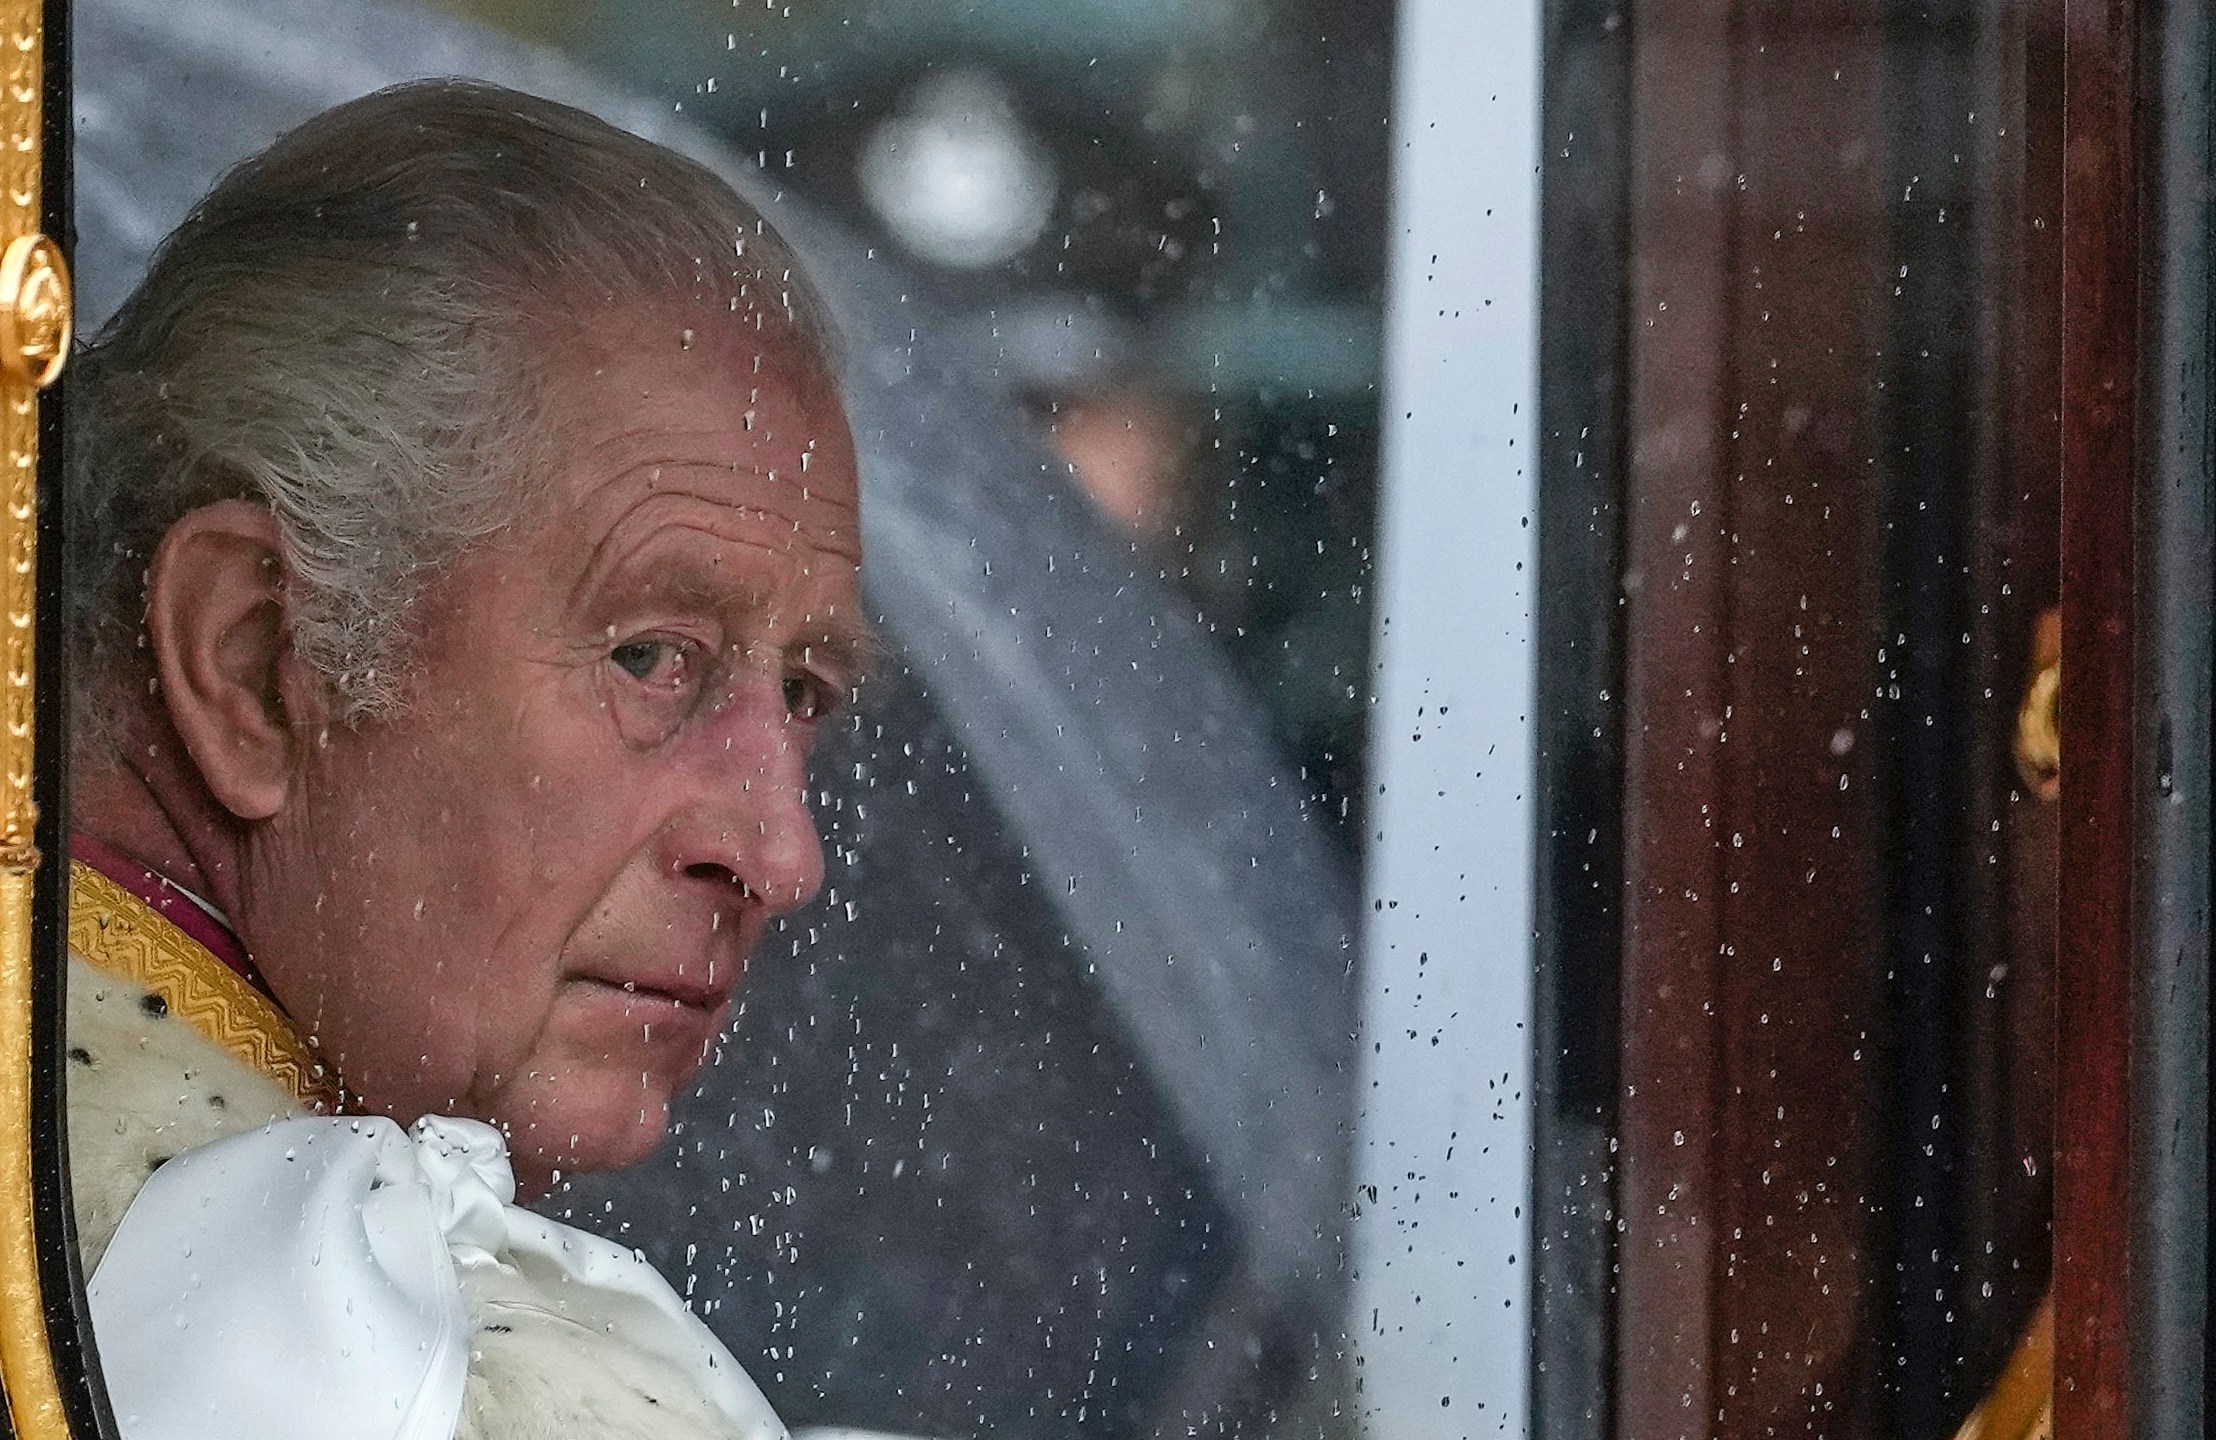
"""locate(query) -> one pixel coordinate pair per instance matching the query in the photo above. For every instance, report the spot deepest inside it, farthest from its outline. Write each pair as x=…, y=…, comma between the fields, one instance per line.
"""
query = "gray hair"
x=342, y=331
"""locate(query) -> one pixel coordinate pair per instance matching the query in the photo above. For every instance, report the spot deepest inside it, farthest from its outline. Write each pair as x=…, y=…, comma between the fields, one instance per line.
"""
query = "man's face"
x=528, y=895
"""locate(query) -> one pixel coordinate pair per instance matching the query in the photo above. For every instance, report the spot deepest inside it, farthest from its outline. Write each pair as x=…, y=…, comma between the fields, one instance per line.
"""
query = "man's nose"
x=745, y=823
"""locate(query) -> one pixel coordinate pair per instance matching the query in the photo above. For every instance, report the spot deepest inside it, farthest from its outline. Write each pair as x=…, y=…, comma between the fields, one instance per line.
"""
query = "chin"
x=579, y=1135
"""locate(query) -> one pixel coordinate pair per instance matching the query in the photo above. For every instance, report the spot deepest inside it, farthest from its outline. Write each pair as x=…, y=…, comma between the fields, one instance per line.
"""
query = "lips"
x=705, y=995
x=634, y=971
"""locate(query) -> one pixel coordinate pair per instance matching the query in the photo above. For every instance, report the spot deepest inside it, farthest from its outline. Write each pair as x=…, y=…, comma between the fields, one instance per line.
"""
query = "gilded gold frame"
x=34, y=343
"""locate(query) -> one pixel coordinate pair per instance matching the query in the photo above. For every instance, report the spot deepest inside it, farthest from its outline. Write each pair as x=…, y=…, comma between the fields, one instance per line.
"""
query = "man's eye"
x=807, y=698
x=657, y=661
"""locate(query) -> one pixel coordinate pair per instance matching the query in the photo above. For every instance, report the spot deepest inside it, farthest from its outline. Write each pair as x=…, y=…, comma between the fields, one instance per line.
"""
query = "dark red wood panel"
x=1754, y=879
x=2100, y=349
x=1762, y=1197
x=1675, y=571
x=2006, y=980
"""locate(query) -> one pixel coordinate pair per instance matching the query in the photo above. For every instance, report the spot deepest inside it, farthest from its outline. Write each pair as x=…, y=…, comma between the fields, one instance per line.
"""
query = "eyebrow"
x=848, y=643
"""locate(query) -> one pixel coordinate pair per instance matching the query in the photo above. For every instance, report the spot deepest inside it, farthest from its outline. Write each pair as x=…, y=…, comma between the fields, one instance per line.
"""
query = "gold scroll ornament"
x=34, y=345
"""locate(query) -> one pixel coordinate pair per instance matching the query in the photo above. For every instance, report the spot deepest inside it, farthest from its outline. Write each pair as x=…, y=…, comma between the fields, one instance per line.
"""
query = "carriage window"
x=1272, y=718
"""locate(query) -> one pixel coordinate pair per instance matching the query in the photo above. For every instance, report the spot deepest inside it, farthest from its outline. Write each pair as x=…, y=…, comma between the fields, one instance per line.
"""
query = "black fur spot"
x=79, y=1055
x=217, y=1102
x=500, y=1329
x=648, y=1398
x=154, y=1005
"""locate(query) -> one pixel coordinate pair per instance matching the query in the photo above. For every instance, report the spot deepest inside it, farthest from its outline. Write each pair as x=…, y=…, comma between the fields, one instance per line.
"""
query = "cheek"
x=463, y=864
x=488, y=834
x=536, y=783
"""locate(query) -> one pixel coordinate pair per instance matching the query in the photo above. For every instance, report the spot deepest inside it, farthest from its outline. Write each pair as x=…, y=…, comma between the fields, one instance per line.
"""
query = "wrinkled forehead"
x=681, y=424
x=686, y=382
x=580, y=324
x=698, y=362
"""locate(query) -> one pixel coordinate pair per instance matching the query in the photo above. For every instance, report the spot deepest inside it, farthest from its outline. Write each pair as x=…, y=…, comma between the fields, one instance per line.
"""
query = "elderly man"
x=465, y=551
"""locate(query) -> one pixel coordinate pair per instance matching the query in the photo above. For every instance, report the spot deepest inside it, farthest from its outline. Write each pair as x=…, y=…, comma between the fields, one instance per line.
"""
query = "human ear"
x=215, y=623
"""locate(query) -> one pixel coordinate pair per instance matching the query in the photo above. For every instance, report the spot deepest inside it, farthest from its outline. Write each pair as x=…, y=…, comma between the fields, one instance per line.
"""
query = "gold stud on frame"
x=35, y=310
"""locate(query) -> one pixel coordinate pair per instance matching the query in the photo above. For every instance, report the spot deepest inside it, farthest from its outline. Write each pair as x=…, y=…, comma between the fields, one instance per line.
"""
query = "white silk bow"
x=308, y=1277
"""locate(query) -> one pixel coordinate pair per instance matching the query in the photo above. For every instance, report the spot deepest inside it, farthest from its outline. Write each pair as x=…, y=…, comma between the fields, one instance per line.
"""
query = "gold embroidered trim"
x=123, y=935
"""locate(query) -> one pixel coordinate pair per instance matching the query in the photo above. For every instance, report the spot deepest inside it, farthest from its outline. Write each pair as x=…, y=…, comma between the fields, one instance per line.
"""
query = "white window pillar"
x=1442, y=1156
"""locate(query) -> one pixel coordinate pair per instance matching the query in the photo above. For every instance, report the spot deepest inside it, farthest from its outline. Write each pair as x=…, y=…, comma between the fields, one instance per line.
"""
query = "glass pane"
x=1241, y=717
x=1030, y=1113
